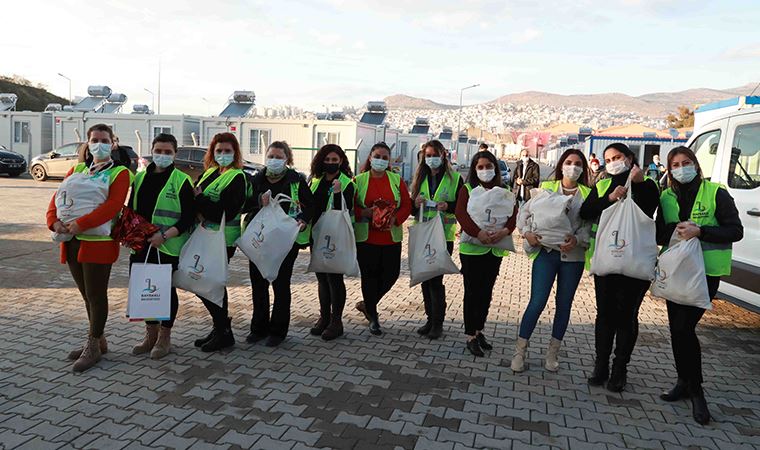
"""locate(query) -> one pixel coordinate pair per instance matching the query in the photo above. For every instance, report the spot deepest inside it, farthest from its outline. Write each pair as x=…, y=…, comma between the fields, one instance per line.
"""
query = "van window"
x=744, y=169
x=705, y=146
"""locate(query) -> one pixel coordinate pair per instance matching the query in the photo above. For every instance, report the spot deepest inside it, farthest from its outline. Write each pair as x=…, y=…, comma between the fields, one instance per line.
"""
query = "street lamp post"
x=205, y=100
x=64, y=76
x=459, y=121
x=152, y=98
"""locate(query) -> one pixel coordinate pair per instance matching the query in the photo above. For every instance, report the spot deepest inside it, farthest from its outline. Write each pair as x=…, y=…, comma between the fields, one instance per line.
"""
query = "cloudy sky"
x=312, y=53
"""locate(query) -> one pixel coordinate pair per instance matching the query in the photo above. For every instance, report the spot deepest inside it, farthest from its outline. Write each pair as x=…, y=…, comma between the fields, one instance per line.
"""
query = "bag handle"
x=148, y=254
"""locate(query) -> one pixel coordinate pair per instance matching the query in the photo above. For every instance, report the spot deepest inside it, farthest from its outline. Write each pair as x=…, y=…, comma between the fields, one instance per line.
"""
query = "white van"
x=728, y=149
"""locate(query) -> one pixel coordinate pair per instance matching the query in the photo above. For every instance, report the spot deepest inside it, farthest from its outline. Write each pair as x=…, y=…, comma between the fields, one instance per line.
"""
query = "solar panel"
x=237, y=110
x=111, y=108
x=420, y=129
x=89, y=104
x=373, y=118
x=445, y=135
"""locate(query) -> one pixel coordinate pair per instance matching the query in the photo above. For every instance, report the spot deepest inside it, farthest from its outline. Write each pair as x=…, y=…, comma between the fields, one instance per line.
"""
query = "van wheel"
x=39, y=173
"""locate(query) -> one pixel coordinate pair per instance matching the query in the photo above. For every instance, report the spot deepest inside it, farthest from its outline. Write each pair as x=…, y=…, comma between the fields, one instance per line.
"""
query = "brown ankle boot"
x=151, y=335
x=163, y=343
x=334, y=330
x=76, y=353
x=89, y=357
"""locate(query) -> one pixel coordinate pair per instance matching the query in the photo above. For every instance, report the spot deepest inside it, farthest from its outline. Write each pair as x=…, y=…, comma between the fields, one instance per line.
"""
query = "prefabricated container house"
x=644, y=147
x=27, y=133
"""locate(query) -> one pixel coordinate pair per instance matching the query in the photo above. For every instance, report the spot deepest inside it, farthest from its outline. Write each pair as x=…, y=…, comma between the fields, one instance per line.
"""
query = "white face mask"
x=684, y=174
x=100, y=150
x=433, y=161
x=224, y=159
x=275, y=166
x=617, y=167
x=378, y=164
x=525, y=159
x=486, y=175
x=163, y=161
x=572, y=172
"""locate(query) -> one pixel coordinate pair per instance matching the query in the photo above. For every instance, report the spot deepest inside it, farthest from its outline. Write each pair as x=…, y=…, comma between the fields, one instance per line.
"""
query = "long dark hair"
x=380, y=145
x=622, y=148
x=318, y=163
x=423, y=170
x=472, y=175
x=686, y=151
x=583, y=179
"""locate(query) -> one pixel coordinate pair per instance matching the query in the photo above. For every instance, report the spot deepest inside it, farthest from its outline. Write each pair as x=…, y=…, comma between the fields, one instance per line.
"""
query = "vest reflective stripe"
x=467, y=248
x=113, y=172
x=361, y=227
x=717, y=256
x=168, y=209
x=446, y=192
x=232, y=228
x=602, y=186
x=554, y=187
x=345, y=181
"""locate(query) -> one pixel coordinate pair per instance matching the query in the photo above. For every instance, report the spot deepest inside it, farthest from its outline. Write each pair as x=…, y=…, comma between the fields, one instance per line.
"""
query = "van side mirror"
x=53, y=155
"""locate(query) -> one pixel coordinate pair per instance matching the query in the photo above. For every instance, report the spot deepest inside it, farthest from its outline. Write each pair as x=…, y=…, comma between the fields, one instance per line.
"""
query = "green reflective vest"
x=554, y=186
x=361, y=227
x=168, y=209
x=214, y=191
x=717, y=256
x=345, y=181
x=468, y=248
x=446, y=192
x=602, y=186
x=111, y=173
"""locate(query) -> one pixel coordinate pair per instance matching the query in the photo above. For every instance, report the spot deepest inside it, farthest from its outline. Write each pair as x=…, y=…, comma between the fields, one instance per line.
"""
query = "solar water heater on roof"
x=8, y=102
x=237, y=110
x=373, y=118
x=89, y=104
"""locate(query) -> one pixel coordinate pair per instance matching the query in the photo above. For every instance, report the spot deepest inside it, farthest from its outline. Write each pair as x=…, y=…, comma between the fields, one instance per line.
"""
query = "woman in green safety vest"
x=221, y=191
x=480, y=264
x=695, y=207
x=379, y=235
x=163, y=194
x=563, y=263
x=618, y=297
x=331, y=184
x=435, y=188
x=279, y=178
x=88, y=256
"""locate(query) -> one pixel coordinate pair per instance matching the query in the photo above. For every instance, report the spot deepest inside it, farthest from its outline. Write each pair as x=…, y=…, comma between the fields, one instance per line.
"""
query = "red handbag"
x=133, y=230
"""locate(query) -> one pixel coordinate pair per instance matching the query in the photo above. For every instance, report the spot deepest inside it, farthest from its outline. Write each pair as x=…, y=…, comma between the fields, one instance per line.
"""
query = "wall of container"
x=25, y=132
x=644, y=148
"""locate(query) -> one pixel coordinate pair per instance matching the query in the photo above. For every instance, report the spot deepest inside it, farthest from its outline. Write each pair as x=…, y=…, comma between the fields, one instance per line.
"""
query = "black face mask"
x=331, y=168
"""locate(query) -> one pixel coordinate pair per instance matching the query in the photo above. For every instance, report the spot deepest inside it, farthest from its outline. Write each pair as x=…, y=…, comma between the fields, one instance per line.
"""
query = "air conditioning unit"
x=99, y=91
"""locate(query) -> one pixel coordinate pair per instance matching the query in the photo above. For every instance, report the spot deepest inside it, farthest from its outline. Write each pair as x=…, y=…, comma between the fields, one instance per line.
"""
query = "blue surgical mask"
x=378, y=164
x=163, y=161
x=99, y=150
x=684, y=174
x=433, y=161
x=224, y=159
x=275, y=166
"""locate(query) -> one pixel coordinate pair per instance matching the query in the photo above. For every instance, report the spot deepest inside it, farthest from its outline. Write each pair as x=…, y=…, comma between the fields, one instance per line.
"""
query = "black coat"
x=531, y=177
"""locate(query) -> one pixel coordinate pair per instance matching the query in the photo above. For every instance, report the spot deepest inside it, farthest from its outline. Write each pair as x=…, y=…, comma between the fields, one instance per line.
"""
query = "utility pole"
x=159, y=85
x=459, y=121
x=64, y=76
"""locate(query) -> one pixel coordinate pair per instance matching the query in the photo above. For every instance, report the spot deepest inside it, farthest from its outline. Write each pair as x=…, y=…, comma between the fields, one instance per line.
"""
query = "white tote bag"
x=78, y=195
x=149, y=290
x=202, y=266
x=680, y=275
x=626, y=242
x=269, y=237
x=490, y=209
x=334, y=244
x=546, y=214
x=428, y=255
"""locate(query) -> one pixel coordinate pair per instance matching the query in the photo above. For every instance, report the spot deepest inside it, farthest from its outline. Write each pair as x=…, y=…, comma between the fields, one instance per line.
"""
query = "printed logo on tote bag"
x=430, y=254
x=67, y=202
x=618, y=244
x=328, y=251
x=150, y=294
x=197, y=269
x=488, y=217
x=258, y=237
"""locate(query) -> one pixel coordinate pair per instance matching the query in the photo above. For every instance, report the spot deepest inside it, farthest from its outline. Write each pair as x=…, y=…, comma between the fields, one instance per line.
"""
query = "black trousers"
x=683, y=321
x=165, y=259
x=276, y=324
x=434, y=295
x=479, y=273
x=332, y=295
x=618, y=299
x=220, y=314
x=380, y=266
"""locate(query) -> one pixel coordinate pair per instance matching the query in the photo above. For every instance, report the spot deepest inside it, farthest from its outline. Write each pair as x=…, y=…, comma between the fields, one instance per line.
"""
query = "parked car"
x=190, y=160
x=728, y=150
x=11, y=162
x=57, y=163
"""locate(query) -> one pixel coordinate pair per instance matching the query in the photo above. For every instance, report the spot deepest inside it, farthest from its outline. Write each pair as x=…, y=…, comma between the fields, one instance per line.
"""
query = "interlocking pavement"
x=397, y=390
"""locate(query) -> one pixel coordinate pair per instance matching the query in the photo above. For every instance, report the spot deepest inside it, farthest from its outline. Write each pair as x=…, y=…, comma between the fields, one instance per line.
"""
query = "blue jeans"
x=547, y=266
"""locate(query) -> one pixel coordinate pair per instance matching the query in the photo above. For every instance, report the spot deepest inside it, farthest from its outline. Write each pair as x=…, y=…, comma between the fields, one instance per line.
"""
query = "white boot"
x=518, y=360
x=552, y=355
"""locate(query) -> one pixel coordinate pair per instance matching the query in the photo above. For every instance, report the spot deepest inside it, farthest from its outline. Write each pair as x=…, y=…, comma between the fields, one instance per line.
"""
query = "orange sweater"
x=97, y=252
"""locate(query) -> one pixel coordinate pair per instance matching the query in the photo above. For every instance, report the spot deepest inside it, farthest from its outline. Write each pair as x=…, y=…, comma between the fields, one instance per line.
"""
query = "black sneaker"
x=436, y=331
x=253, y=338
x=474, y=347
x=374, y=327
x=600, y=374
x=617, y=379
x=201, y=341
x=483, y=342
x=425, y=329
x=679, y=391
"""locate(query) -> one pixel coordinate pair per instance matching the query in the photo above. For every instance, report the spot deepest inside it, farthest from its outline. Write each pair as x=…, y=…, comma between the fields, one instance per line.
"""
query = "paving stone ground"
x=362, y=391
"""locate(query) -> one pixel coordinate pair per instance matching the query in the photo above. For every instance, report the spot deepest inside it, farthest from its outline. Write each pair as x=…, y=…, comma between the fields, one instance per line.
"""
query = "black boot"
x=320, y=326
x=618, y=378
x=201, y=341
x=483, y=342
x=223, y=338
x=474, y=347
x=601, y=372
x=436, y=331
x=678, y=392
x=699, y=404
x=374, y=327
x=425, y=329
